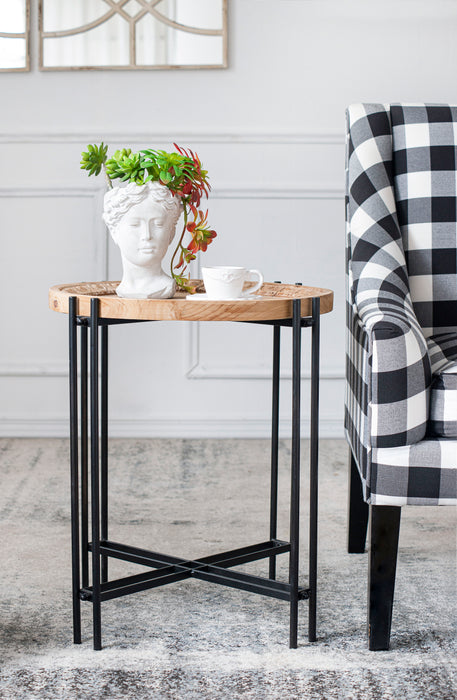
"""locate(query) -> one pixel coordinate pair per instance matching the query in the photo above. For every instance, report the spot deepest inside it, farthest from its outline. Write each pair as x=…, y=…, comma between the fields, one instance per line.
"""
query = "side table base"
x=165, y=569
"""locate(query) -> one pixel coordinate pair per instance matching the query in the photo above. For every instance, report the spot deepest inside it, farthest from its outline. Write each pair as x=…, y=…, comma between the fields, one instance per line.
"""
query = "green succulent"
x=94, y=158
x=163, y=166
x=125, y=165
x=179, y=171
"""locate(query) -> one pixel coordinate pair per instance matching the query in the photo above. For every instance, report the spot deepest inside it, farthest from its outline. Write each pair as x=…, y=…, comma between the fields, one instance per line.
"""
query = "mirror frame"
x=132, y=65
x=20, y=35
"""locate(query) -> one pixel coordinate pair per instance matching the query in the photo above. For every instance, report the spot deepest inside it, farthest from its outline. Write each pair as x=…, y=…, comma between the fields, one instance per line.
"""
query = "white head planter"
x=142, y=222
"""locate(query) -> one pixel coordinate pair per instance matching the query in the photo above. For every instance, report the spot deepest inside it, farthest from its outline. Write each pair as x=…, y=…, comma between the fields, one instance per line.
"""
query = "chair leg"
x=385, y=528
x=358, y=510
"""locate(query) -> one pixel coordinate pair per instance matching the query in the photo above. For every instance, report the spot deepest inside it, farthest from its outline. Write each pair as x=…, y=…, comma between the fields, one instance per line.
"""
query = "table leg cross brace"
x=168, y=569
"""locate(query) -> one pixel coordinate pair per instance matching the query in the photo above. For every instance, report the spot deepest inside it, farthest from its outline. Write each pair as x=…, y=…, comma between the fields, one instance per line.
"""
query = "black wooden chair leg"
x=358, y=511
x=385, y=528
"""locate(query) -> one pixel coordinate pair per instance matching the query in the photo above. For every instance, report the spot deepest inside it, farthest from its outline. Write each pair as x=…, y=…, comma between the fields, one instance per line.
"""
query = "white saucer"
x=200, y=296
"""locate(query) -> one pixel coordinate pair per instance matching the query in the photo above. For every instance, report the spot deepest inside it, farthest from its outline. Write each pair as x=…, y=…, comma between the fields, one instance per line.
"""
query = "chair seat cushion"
x=442, y=349
x=443, y=402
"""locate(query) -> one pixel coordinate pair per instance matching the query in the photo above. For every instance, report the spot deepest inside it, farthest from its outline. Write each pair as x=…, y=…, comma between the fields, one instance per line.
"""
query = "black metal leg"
x=358, y=510
x=73, y=373
x=95, y=475
x=84, y=459
x=274, y=445
x=313, y=486
x=385, y=528
x=295, y=473
x=104, y=446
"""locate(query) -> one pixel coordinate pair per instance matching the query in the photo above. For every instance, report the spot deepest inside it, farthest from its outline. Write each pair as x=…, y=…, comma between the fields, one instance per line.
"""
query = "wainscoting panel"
x=48, y=235
x=288, y=235
x=282, y=212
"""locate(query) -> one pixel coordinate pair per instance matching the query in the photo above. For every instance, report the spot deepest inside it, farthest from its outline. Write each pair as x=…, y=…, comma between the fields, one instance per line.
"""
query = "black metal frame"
x=93, y=406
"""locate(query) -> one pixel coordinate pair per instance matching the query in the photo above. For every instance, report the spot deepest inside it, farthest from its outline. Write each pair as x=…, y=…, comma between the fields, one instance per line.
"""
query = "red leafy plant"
x=182, y=173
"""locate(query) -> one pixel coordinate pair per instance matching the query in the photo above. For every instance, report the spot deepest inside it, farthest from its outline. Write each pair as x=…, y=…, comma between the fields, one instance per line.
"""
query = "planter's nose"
x=145, y=231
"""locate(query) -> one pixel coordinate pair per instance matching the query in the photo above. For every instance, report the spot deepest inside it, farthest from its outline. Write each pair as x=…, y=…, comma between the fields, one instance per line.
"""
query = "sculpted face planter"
x=142, y=215
x=142, y=221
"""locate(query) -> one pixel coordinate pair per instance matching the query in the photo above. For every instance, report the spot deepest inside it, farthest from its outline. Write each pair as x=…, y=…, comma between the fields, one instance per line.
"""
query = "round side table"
x=92, y=307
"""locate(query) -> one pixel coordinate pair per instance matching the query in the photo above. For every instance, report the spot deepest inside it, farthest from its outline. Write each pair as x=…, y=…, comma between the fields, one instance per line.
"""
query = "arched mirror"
x=14, y=35
x=132, y=34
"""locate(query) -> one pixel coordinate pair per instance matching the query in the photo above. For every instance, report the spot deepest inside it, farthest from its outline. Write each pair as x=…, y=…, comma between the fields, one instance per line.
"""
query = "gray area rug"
x=193, y=639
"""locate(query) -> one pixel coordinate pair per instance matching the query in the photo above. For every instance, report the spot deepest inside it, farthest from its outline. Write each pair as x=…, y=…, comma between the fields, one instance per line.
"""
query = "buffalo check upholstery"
x=401, y=264
x=443, y=402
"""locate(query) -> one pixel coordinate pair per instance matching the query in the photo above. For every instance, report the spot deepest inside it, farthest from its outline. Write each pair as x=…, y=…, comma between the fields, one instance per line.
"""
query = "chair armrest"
x=397, y=377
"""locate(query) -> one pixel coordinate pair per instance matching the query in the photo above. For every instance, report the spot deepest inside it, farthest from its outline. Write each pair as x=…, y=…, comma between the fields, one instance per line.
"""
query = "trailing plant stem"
x=180, y=241
x=107, y=178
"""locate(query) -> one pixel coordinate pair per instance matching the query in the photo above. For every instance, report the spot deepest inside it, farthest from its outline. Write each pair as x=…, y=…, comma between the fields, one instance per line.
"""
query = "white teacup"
x=223, y=282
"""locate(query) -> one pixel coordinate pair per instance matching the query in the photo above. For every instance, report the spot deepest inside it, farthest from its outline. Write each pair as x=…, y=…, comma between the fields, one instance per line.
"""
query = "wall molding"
x=33, y=369
x=279, y=191
x=51, y=191
x=60, y=369
x=312, y=137
x=58, y=427
x=200, y=371
x=273, y=191
x=196, y=369
x=56, y=191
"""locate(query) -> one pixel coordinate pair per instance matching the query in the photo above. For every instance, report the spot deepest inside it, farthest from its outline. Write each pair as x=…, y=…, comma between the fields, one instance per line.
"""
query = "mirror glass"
x=14, y=31
x=132, y=34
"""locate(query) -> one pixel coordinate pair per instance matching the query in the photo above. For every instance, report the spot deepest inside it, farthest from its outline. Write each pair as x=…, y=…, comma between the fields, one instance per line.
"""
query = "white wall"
x=270, y=129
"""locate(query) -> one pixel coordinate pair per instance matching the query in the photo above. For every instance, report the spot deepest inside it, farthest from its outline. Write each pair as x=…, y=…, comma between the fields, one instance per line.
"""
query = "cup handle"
x=257, y=286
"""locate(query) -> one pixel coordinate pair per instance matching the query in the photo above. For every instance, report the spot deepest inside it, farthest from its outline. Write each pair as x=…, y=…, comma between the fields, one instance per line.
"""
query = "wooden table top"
x=272, y=302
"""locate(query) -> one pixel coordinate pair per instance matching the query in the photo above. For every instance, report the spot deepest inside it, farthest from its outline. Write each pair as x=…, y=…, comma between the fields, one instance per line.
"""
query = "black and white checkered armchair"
x=401, y=397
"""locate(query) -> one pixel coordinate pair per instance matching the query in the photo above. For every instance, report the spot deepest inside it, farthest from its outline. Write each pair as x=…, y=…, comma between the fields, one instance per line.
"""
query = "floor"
x=193, y=639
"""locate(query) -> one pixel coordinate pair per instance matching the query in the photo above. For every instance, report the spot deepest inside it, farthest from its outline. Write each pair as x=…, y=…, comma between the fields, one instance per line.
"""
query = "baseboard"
x=167, y=428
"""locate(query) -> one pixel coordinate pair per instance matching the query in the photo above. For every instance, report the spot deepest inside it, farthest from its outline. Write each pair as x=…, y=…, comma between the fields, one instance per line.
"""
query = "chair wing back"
x=388, y=366
x=424, y=157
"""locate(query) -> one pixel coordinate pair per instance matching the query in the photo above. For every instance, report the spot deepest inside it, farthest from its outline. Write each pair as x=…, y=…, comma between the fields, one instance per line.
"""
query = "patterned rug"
x=193, y=639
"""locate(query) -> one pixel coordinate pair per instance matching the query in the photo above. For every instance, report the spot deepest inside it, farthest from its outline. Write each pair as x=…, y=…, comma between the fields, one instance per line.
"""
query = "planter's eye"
x=156, y=223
